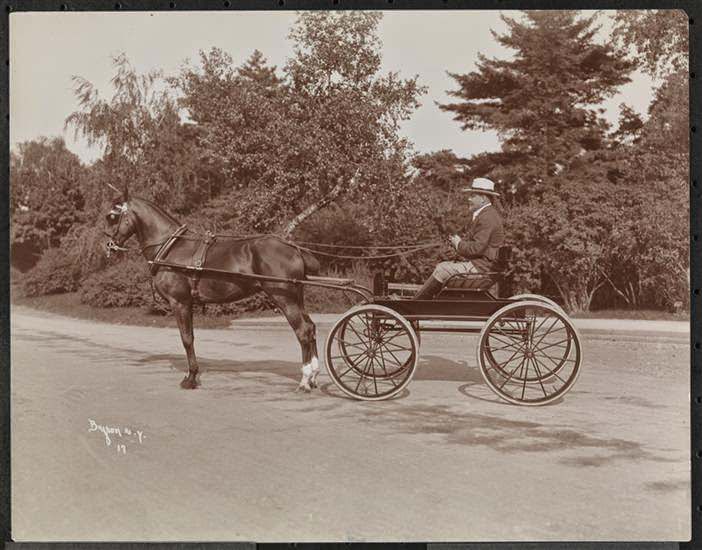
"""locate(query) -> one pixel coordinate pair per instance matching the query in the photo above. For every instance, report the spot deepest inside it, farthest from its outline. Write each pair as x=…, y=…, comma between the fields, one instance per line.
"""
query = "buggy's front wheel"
x=371, y=353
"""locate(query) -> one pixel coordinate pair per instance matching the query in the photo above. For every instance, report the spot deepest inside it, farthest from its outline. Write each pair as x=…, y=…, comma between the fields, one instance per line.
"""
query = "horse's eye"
x=111, y=218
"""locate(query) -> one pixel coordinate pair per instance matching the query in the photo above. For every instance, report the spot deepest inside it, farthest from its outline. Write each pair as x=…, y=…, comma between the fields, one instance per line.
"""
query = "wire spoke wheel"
x=372, y=353
x=529, y=353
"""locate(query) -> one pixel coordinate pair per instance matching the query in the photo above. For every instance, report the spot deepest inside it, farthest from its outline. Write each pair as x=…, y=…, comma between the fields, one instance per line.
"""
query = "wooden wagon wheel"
x=529, y=353
x=371, y=353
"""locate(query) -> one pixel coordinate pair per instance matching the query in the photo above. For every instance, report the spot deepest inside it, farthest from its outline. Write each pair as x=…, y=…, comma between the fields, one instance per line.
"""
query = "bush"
x=127, y=283
x=55, y=273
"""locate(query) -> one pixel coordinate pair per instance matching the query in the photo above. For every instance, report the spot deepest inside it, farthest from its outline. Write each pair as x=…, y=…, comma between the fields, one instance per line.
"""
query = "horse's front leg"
x=184, y=315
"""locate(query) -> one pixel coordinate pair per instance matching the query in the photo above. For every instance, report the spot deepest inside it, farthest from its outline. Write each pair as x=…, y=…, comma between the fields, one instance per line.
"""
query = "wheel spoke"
x=399, y=363
x=536, y=330
x=348, y=355
x=554, y=371
x=362, y=345
x=512, y=373
x=538, y=373
x=551, y=345
x=540, y=324
x=352, y=367
x=403, y=333
x=397, y=347
x=375, y=379
x=554, y=359
x=362, y=375
x=515, y=343
x=526, y=375
x=502, y=365
x=492, y=349
x=387, y=376
x=361, y=337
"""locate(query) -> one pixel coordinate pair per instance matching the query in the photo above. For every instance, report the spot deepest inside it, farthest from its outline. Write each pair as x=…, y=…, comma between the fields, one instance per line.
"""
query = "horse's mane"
x=158, y=209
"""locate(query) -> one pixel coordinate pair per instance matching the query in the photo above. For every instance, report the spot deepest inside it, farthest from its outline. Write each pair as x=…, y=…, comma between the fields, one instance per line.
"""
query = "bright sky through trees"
x=46, y=49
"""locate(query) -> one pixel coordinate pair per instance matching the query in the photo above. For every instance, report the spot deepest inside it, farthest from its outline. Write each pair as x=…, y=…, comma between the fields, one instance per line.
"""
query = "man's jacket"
x=484, y=239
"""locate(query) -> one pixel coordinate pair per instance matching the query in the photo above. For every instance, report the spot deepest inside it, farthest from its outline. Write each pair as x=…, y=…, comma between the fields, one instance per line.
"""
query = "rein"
x=402, y=250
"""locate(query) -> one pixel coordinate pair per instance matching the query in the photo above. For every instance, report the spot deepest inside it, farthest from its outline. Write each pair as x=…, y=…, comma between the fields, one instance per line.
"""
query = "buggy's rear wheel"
x=529, y=353
x=371, y=353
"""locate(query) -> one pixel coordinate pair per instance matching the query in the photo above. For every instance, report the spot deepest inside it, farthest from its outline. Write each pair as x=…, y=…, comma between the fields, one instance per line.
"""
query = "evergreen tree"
x=544, y=101
x=554, y=167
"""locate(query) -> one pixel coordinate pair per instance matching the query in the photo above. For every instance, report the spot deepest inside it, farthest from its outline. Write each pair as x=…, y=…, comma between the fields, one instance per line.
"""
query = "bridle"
x=118, y=210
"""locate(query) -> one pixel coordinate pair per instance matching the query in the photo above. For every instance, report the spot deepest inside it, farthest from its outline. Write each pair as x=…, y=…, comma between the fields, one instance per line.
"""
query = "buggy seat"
x=457, y=285
x=485, y=279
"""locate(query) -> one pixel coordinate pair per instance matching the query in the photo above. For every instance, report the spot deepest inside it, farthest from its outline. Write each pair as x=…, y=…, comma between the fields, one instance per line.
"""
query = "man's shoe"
x=429, y=289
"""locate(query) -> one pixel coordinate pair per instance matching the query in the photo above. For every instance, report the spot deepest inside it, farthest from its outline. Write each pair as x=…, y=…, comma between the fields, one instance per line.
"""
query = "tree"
x=658, y=38
x=544, y=104
x=544, y=101
x=45, y=196
x=650, y=261
x=126, y=124
x=292, y=144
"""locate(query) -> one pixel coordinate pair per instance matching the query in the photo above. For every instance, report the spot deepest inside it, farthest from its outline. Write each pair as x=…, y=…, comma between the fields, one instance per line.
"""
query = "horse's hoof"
x=188, y=384
x=304, y=388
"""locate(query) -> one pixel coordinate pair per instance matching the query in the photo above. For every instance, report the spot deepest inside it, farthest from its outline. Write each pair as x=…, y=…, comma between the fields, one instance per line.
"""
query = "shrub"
x=56, y=272
x=257, y=302
x=126, y=283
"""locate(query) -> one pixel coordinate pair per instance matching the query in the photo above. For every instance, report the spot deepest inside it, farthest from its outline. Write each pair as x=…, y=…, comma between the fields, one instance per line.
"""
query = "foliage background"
x=596, y=212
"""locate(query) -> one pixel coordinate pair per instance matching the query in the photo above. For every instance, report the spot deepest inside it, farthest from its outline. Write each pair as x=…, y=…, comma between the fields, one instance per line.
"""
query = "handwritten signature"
x=124, y=433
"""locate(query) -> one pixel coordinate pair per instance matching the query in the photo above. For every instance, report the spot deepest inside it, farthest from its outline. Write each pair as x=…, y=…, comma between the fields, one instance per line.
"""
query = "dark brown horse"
x=182, y=288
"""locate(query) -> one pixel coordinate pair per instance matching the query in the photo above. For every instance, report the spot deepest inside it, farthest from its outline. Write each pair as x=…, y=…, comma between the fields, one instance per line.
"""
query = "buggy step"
x=329, y=280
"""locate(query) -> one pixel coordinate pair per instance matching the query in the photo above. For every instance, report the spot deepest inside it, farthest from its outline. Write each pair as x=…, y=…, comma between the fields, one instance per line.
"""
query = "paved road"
x=246, y=458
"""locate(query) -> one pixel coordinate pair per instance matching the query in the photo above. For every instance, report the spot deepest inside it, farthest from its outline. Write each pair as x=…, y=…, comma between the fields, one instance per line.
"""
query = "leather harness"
x=198, y=260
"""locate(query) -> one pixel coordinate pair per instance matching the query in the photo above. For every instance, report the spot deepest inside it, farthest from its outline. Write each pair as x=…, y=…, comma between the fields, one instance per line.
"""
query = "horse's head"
x=122, y=224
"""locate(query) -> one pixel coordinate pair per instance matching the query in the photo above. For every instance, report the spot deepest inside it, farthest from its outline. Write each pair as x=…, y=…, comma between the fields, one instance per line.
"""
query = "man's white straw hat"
x=482, y=185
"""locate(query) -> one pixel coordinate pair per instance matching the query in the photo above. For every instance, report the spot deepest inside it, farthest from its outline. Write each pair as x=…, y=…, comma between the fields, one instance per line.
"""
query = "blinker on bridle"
x=114, y=217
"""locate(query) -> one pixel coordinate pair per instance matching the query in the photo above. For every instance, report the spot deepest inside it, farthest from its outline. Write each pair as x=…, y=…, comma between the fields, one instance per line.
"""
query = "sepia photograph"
x=350, y=276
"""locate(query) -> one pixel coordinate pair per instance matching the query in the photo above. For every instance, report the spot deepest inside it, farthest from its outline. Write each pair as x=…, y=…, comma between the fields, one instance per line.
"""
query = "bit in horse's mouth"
x=111, y=245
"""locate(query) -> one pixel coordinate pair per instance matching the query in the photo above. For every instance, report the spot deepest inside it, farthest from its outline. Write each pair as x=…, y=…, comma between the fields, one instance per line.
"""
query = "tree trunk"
x=314, y=207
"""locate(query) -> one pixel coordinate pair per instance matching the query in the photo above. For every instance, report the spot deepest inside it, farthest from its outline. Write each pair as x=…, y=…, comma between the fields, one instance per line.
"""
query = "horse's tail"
x=310, y=261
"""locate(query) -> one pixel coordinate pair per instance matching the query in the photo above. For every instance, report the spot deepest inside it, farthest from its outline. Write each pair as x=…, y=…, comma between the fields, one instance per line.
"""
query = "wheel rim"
x=529, y=353
x=371, y=353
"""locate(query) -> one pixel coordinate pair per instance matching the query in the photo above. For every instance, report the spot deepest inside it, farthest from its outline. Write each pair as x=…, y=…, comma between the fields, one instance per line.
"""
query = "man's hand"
x=454, y=239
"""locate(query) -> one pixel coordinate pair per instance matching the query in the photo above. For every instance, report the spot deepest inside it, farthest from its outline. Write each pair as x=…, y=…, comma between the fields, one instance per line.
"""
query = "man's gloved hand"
x=454, y=239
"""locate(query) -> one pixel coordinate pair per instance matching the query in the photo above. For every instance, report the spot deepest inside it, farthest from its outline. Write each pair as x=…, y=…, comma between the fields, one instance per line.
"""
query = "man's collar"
x=479, y=210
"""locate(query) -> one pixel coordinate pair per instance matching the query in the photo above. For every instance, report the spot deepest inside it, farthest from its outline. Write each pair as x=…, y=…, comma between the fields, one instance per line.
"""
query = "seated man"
x=480, y=248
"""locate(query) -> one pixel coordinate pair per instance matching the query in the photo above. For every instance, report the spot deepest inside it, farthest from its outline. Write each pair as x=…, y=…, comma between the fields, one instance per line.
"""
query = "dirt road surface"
x=246, y=458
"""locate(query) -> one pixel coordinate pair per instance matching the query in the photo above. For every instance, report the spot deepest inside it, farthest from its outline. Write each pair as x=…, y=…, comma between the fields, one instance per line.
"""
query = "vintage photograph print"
x=350, y=276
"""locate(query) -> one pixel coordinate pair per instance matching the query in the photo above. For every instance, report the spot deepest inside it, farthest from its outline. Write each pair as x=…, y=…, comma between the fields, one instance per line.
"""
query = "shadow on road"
x=435, y=367
x=431, y=367
x=286, y=369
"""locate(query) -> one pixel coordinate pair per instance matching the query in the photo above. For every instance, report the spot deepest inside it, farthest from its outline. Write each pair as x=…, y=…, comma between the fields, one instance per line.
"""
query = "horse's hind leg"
x=184, y=315
x=290, y=303
x=314, y=361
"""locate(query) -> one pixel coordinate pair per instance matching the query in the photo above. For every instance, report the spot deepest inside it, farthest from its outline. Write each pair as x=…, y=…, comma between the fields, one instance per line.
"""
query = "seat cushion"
x=471, y=282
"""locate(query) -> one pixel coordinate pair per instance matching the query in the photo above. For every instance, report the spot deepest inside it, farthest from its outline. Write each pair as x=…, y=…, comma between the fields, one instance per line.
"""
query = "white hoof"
x=315, y=372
